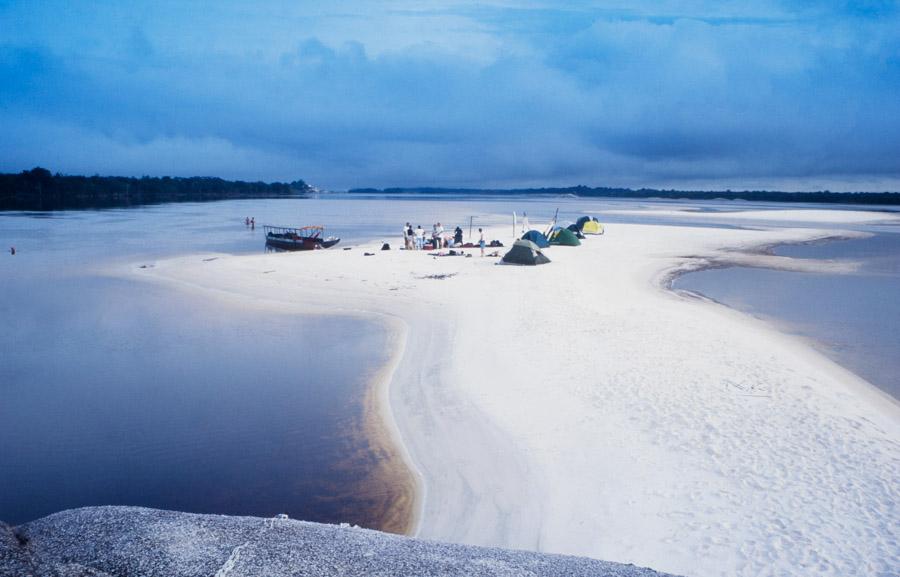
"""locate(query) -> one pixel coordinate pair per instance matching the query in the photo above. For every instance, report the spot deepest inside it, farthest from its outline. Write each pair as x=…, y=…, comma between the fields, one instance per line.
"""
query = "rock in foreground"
x=133, y=541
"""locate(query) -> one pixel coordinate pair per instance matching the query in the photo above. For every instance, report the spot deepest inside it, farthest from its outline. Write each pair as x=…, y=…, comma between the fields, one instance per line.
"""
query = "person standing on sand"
x=420, y=237
x=481, y=241
x=438, y=236
x=407, y=242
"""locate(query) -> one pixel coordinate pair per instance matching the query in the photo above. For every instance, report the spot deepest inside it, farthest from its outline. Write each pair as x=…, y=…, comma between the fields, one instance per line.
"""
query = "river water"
x=120, y=392
x=853, y=318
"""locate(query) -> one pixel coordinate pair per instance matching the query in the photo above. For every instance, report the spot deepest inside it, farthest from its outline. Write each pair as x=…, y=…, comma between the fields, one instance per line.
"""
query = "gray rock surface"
x=138, y=542
x=14, y=557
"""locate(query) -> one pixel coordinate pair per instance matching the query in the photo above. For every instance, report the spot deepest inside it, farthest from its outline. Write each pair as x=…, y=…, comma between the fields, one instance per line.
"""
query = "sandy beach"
x=583, y=408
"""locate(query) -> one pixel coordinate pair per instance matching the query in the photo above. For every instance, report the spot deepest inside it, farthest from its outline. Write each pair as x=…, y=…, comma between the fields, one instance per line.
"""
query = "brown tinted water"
x=127, y=393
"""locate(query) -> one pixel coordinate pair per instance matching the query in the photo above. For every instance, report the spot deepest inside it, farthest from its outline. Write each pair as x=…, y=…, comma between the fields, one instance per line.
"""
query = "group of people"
x=415, y=238
x=250, y=221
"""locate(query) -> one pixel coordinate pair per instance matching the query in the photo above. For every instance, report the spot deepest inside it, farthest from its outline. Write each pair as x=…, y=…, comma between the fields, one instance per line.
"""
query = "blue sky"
x=727, y=94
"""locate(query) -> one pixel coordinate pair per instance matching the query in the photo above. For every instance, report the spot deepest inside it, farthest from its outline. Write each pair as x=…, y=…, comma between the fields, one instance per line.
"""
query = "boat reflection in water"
x=303, y=238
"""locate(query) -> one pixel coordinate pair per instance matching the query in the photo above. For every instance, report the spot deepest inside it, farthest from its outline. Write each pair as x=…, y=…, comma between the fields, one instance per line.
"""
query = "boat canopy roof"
x=299, y=231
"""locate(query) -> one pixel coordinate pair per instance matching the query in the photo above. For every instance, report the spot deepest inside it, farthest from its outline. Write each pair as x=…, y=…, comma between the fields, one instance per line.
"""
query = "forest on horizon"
x=39, y=189
x=822, y=196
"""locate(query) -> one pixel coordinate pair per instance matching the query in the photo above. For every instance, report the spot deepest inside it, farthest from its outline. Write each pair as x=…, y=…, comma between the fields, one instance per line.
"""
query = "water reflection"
x=118, y=393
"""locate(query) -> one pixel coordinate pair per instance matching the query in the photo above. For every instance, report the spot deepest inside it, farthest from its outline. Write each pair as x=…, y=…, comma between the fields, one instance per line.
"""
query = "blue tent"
x=537, y=238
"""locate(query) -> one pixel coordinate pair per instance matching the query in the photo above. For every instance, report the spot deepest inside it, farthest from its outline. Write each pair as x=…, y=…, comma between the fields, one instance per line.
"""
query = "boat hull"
x=301, y=243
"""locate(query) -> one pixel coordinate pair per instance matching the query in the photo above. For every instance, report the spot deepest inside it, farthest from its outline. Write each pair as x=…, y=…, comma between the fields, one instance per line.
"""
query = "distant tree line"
x=823, y=196
x=39, y=189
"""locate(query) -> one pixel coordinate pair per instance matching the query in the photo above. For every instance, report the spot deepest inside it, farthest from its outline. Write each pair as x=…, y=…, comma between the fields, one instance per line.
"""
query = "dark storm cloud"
x=459, y=95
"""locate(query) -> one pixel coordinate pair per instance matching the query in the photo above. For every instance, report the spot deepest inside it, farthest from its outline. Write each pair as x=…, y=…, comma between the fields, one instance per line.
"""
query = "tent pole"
x=552, y=224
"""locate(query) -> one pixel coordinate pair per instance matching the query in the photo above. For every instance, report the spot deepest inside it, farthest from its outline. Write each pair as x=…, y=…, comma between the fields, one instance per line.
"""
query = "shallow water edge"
x=384, y=475
x=394, y=476
x=776, y=268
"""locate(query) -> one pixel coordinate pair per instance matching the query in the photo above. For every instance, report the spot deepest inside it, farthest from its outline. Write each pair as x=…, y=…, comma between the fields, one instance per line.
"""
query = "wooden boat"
x=303, y=238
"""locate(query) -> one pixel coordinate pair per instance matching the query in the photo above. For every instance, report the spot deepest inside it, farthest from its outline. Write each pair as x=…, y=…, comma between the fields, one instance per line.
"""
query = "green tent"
x=564, y=237
x=525, y=252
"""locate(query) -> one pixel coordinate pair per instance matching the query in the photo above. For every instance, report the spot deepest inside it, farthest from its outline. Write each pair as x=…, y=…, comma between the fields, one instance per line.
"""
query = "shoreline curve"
x=669, y=278
x=632, y=437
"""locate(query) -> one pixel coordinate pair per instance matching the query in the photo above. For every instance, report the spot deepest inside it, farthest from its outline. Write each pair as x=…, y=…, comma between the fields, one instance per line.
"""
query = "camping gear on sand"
x=564, y=237
x=592, y=227
x=589, y=225
x=537, y=238
x=574, y=228
x=524, y=252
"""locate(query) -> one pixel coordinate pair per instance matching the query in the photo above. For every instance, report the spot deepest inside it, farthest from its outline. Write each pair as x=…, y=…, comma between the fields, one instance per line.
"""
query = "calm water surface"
x=855, y=318
x=121, y=392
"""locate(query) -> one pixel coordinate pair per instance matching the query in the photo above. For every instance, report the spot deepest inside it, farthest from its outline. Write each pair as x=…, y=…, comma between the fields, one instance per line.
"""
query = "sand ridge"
x=581, y=408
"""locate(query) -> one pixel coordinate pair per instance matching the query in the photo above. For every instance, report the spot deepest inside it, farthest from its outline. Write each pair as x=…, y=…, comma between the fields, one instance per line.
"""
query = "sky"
x=791, y=95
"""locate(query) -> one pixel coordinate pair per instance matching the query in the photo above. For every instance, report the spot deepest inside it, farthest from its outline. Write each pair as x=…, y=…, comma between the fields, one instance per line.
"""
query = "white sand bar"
x=582, y=408
x=823, y=216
